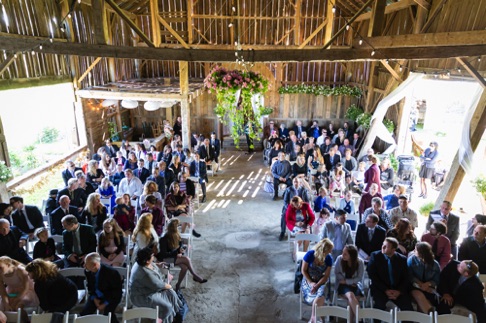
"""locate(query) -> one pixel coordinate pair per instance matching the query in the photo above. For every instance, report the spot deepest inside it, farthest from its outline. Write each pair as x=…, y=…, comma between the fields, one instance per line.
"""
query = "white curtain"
x=377, y=125
x=465, y=151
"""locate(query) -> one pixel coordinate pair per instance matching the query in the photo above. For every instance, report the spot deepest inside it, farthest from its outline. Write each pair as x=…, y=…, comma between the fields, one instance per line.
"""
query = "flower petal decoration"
x=129, y=104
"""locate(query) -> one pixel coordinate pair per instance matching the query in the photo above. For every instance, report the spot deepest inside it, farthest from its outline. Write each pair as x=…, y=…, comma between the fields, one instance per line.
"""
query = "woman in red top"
x=299, y=217
x=372, y=175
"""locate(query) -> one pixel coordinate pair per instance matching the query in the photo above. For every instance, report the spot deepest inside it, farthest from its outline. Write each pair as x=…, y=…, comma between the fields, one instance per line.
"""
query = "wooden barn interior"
x=145, y=50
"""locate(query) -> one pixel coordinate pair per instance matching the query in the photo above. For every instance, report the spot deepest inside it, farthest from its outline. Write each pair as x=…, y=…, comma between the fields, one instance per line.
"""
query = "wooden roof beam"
x=107, y=7
x=377, y=20
x=173, y=32
x=314, y=33
x=132, y=25
x=138, y=96
x=396, y=6
x=9, y=60
x=428, y=50
x=474, y=73
x=392, y=71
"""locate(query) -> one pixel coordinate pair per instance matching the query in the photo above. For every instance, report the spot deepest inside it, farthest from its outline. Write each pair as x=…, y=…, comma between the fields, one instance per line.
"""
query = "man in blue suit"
x=198, y=169
x=369, y=236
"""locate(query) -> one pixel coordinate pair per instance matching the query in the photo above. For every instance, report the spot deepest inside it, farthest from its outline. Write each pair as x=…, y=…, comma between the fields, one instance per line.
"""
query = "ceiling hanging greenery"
x=237, y=93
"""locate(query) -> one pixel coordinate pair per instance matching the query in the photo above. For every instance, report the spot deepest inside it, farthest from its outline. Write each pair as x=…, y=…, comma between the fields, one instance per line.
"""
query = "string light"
x=230, y=25
x=333, y=9
x=372, y=53
x=360, y=42
x=401, y=68
x=479, y=59
x=33, y=52
x=233, y=8
x=347, y=27
x=15, y=55
x=40, y=47
x=69, y=15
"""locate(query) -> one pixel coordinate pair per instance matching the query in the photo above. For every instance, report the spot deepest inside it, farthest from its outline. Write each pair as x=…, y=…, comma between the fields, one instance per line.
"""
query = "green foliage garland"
x=226, y=84
x=353, y=112
x=480, y=184
x=390, y=125
x=321, y=90
x=364, y=120
x=5, y=172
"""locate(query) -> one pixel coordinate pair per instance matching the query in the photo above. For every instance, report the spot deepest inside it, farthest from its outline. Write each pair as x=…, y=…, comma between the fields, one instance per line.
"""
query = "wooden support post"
x=456, y=172
x=377, y=20
x=132, y=25
x=314, y=33
x=474, y=73
x=96, y=61
x=330, y=21
x=100, y=27
x=190, y=27
x=298, y=9
x=185, y=113
x=154, y=22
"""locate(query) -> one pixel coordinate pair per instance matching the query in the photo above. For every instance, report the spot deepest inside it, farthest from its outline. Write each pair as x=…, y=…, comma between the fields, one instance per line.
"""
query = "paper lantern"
x=108, y=103
x=152, y=105
x=129, y=104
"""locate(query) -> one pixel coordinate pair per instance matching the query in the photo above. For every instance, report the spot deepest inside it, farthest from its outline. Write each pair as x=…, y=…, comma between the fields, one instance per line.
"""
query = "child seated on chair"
x=337, y=181
x=124, y=215
x=323, y=216
x=322, y=201
x=45, y=248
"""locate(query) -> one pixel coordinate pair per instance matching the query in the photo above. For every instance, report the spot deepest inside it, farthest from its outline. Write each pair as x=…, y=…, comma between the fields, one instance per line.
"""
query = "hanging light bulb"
x=233, y=8
x=333, y=9
x=230, y=25
x=79, y=1
x=372, y=53
x=236, y=54
x=51, y=40
x=347, y=27
x=15, y=55
x=401, y=68
x=40, y=47
x=448, y=73
x=69, y=15
x=479, y=59
x=360, y=42
x=32, y=52
x=459, y=69
x=387, y=62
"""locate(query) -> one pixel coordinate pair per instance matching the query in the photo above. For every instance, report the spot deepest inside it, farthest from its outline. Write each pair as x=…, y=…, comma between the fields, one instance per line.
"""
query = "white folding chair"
x=139, y=313
x=76, y=272
x=13, y=317
x=189, y=220
x=301, y=238
x=373, y=313
x=452, y=318
x=125, y=275
x=95, y=318
x=336, y=311
x=482, y=278
x=107, y=202
x=413, y=317
x=46, y=318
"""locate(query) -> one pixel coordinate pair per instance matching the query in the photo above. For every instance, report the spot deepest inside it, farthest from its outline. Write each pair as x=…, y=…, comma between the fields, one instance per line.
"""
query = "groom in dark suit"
x=78, y=241
x=388, y=272
x=369, y=236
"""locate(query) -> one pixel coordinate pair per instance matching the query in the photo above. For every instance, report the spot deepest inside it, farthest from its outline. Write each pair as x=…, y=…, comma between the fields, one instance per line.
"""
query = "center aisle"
x=250, y=272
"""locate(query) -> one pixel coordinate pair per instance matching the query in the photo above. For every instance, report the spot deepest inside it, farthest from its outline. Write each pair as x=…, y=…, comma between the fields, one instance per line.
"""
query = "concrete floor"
x=250, y=272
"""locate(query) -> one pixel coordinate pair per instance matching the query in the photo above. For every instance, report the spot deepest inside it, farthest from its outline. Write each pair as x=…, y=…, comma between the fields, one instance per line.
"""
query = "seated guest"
x=322, y=201
x=64, y=209
x=292, y=148
x=320, y=140
x=345, y=146
x=349, y=271
x=315, y=164
x=441, y=245
x=337, y=181
x=384, y=220
x=372, y=174
x=151, y=188
x=45, y=248
x=120, y=159
x=299, y=169
x=144, y=234
x=459, y=284
x=338, y=231
x=403, y=211
x=107, y=191
x=297, y=189
x=111, y=244
x=176, y=165
x=299, y=217
x=130, y=185
x=386, y=174
x=158, y=218
x=366, y=198
x=347, y=203
x=471, y=224
x=118, y=175
x=281, y=171
x=141, y=172
x=26, y=217
x=474, y=248
x=104, y=287
x=51, y=202
x=16, y=289
x=124, y=215
x=369, y=236
x=403, y=232
x=78, y=241
x=94, y=174
x=110, y=148
x=331, y=159
x=56, y=293
x=326, y=146
x=388, y=272
x=450, y=220
x=6, y=212
x=12, y=241
x=276, y=148
x=321, y=218
x=77, y=196
x=187, y=186
x=357, y=178
x=131, y=162
x=94, y=213
x=171, y=249
x=424, y=274
x=159, y=180
x=316, y=269
x=350, y=164
x=148, y=287
x=391, y=200
x=69, y=172
x=84, y=185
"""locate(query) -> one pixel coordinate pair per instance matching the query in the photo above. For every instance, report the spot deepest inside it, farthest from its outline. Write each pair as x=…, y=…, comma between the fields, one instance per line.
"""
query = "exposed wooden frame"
x=132, y=25
x=314, y=33
x=185, y=112
x=377, y=20
x=96, y=61
x=474, y=73
x=433, y=15
x=423, y=3
x=9, y=60
x=173, y=32
x=390, y=69
x=154, y=22
x=393, y=7
x=138, y=96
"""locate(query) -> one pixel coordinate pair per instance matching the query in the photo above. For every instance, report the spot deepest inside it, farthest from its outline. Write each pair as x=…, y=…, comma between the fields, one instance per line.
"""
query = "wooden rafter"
x=6, y=63
x=392, y=71
x=423, y=3
x=396, y=6
x=132, y=25
x=173, y=32
x=154, y=22
x=96, y=61
x=314, y=33
x=471, y=70
x=377, y=20
x=433, y=15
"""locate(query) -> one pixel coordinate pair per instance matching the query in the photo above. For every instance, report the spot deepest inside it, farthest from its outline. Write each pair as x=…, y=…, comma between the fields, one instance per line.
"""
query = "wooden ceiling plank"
x=377, y=20
x=343, y=28
x=432, y=16
x=173, y=32
x=424, y=4
x=396, y=6
x=132, y=25
x=474, y=73
x=314, y=33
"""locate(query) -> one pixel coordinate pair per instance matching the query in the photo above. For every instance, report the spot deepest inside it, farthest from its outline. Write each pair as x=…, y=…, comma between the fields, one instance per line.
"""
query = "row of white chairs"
x=127, y=315
x=392, y=316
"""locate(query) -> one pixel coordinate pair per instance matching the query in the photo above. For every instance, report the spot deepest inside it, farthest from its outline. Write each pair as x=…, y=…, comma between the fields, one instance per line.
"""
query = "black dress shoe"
x=203, y=200
x=275, y=198
x=197, y=235
x=281, y=236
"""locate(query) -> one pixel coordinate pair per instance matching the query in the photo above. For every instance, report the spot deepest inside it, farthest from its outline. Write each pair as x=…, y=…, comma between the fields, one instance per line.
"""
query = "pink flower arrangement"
x=221, y=79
